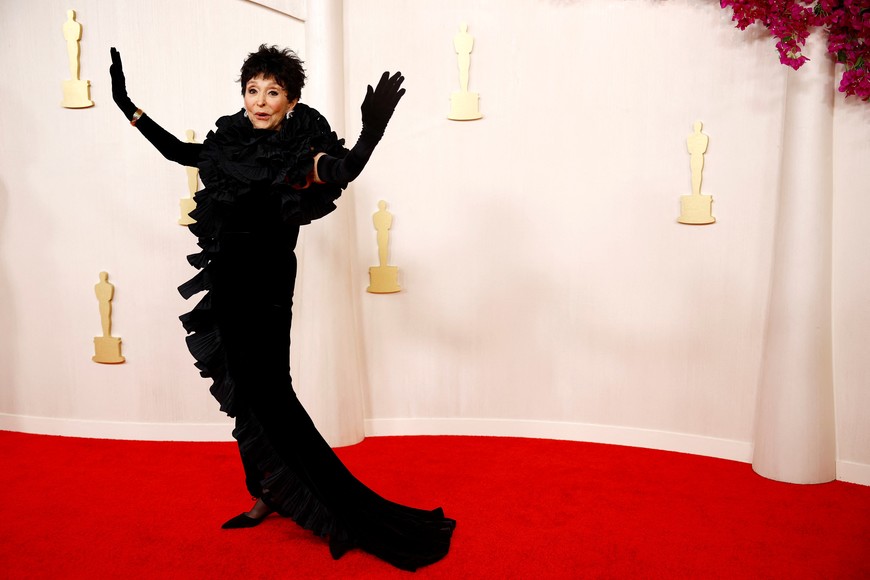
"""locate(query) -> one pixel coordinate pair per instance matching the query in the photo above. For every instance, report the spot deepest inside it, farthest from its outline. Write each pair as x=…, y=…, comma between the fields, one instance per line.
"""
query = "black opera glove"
x=169, y=146
x=119, y=85
x=376, y=108
x=379, y=103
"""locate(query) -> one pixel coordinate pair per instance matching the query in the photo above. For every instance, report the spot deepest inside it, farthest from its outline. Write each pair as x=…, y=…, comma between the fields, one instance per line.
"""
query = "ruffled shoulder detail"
x=237, y=159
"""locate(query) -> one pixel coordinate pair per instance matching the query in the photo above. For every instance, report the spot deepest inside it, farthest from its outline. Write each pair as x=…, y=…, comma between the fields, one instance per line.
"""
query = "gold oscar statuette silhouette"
x=107, y=349
x=383, y=279
x=76, y=92
x=696, y=209
x=187, y=204
x=464, y=106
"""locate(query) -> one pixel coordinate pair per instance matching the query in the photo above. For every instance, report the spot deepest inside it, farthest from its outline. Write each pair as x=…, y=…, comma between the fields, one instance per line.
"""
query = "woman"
x=268, y=169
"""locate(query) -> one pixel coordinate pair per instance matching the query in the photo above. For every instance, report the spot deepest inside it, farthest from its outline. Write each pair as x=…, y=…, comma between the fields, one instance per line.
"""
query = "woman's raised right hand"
x=119, y=85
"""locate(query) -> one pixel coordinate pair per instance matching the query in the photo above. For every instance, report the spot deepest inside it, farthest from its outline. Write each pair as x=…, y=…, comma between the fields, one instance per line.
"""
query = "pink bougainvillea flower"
x=846, y=23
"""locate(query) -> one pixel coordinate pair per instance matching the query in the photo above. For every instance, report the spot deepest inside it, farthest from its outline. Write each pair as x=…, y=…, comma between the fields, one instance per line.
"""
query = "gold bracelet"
x=136, y=116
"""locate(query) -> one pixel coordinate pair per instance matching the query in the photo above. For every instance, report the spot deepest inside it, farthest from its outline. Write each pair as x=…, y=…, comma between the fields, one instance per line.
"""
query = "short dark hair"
x=281, y=64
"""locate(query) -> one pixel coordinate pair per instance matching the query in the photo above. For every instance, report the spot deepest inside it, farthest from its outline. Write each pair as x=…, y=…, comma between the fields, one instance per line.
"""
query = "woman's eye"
x=252, y=91
x=273, y=93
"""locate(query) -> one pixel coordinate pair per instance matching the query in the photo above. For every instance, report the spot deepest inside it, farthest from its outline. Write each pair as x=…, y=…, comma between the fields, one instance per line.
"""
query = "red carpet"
x=81, y=508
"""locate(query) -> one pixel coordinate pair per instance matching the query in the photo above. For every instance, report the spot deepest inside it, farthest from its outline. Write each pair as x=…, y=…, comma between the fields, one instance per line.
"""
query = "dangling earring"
x=245, y=114
x=289, y=114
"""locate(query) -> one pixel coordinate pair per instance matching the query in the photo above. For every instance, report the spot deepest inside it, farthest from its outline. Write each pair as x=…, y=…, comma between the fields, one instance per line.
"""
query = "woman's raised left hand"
x=380, y=102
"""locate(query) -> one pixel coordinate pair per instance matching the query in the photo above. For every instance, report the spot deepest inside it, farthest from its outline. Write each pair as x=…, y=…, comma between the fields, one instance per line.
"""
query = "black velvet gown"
x=247, y=221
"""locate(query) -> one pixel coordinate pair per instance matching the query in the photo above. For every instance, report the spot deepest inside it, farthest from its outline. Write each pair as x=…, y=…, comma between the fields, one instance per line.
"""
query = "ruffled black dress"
x=247, y=221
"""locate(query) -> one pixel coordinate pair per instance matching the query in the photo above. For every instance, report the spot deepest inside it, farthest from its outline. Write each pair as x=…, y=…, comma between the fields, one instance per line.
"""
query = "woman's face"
x=266, y=103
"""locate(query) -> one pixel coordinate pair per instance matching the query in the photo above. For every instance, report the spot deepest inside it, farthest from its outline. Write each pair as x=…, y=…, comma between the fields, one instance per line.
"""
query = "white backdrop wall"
x=547, y=288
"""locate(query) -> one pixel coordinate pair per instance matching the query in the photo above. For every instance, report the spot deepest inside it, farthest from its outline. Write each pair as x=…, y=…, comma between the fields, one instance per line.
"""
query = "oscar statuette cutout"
x=76, y=92
x=464, y=106
x=187, y=204
x=383, y=279
x=107, y=347
x=696, y=209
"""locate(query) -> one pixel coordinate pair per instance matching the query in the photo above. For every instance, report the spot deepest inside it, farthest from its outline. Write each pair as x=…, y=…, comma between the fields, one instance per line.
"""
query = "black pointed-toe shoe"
x=243, y=521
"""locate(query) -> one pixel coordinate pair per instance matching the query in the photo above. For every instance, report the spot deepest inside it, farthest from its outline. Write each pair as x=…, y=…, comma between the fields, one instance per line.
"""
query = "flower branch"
x=846, y=23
